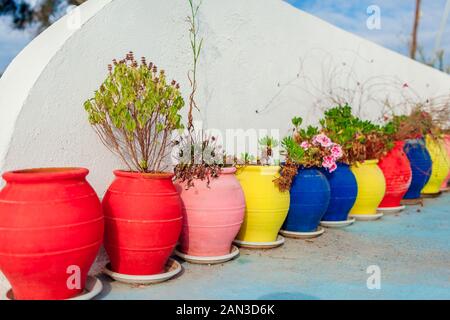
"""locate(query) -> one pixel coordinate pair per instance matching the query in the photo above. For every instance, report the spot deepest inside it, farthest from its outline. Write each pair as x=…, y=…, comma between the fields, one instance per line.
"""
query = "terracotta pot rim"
x=140, y=175
x=45, y=174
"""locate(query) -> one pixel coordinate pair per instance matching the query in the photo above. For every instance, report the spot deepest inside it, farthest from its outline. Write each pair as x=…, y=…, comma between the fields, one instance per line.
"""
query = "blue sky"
x=396, y=21
x=396, y=24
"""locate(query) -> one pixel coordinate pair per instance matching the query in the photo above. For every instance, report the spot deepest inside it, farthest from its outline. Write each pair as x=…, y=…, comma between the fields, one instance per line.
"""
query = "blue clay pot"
x=421, y=165
x=310, y=196
x=344, y=189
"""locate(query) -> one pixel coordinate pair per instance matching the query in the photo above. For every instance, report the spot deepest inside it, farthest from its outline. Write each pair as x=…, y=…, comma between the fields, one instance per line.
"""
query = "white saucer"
x=173, y=268
x=208, y=260
x=93, y=287
x=337, y=224
x=260, y=245
x=446, y=189
x=367, y=217
x=391, y=209
x=303, y=235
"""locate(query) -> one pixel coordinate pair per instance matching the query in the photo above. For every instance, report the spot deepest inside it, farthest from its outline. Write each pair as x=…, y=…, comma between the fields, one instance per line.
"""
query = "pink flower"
x=305, y=145
x=332, y=168
x=336, y=152
x=323, y=140
x=328, y=162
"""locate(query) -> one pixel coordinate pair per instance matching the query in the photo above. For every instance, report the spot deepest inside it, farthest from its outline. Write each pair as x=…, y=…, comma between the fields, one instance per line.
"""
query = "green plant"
x=307, y=148
x=246, y=159
x=135, y=112
x=268, y=144
x=293, y=149
x=360, y=139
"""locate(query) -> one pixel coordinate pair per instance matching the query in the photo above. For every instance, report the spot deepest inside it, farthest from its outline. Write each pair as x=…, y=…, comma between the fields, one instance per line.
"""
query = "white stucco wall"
x=251, y=52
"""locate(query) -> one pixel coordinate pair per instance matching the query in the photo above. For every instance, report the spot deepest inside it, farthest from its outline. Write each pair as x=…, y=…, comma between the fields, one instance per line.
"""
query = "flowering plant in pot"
x=134, y=112
x=337, y=123
x=363, y=144
x=266, y=205
x=426, y=152
x=213, y=202
x=431, y=131
x=308, y=154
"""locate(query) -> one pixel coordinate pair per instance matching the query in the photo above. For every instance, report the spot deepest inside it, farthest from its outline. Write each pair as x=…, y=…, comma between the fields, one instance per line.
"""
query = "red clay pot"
x=142, y=222
x=50, y=220
x=397, y=172
x=212, y=215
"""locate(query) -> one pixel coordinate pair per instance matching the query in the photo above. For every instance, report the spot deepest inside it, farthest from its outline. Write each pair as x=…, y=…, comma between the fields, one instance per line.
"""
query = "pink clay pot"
x=447, y=147
x=212, y=215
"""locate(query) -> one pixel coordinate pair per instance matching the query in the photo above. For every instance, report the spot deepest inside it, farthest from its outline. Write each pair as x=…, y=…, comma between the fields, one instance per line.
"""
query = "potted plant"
x=337, y=124
x=134, y=113
x=396, y=167
x=369, y=143
x=308, y=152
x=266, y=206
x=427, y=169
x=51, y=228
x=213, y=202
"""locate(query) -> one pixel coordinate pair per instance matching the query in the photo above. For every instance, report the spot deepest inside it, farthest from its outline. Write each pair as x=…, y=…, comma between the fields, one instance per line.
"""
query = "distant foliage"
x=42, y=15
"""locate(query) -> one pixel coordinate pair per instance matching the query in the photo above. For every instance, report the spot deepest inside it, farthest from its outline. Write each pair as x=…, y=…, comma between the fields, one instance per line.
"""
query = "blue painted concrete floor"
x=412, y=250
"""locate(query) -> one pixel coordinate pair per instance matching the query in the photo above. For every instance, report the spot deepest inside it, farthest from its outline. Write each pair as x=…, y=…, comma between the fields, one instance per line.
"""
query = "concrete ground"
x=412, y=250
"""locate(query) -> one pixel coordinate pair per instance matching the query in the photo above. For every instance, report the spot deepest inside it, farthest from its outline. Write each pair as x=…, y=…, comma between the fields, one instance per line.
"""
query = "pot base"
x=173, y=268
x=93, y=287
x=447, y=189
x=337, y=224
x=412, y=202
x=367, y=217
x=431, y=195
x=260, y=245
x=303, y=235
x=209, y=260
x=391, y=209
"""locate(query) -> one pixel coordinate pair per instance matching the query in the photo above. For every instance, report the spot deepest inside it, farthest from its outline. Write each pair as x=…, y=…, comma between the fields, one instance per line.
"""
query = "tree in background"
x=413, y=48
x=40, y=15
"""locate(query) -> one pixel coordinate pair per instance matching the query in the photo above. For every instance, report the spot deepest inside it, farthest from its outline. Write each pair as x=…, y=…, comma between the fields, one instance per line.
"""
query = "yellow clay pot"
x=440, y=167
x=371, y=187
x=266, y=206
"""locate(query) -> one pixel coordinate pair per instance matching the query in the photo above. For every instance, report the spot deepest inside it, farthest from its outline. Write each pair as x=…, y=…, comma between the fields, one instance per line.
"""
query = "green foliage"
x=360, y=139
x=293, y=149
x=247, y=158
x=135, y=111
x=268, y=142
x=340, y=125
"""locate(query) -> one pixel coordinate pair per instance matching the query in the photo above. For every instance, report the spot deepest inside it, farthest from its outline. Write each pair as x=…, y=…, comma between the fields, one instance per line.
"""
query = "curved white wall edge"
x=25, y=69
